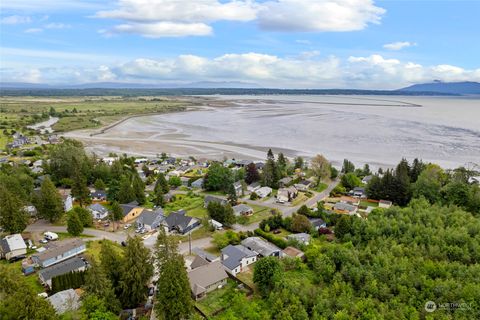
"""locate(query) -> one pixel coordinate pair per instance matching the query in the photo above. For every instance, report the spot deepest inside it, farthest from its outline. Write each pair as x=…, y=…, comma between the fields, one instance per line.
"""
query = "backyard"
x=218, y=299
x=31, y=279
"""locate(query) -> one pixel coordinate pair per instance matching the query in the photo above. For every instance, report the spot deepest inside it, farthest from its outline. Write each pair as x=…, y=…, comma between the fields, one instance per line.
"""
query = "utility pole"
x=190, y=243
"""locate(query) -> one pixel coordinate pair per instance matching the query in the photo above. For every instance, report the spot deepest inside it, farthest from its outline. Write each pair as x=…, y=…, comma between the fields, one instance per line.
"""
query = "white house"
x=12, y=246
x=236, y=258
x=264, y=192
x=98, y=211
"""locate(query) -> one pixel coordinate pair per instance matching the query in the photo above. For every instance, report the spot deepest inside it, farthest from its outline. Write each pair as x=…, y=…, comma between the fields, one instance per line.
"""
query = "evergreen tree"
x=232, y=195
x=348, y=166
x=139, y=189
x=416, y=169
x=111, y=262
x=136, y=270
x=49, y=203
x=321, y=168
x=402, y=183
x=100, y=184
x=218, y=178
x=79, y=188
x=85, y=216
x=270, y=172
x=299, y=163
x=252, y=174
x=282, y=164
x=13, y=218
x=159, y=199
x=116, y=214
x=74, y=224
x=161, y=184
x=173, y=289
x=97, y=283
x=125, y=193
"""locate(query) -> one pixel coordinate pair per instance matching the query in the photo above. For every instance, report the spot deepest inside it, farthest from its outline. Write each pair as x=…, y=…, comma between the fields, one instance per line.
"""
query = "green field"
x=217, y=299
x=32, y=279
x=259, y=213
x=94, y=247
x=191, y=203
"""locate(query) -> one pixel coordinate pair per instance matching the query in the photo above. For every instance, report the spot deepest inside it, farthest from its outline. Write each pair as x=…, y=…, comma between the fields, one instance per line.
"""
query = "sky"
x=361, y=44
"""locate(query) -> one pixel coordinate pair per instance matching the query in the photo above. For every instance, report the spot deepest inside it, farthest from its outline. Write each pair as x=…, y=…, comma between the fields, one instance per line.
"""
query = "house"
x=130, y=211
x=238, y=188
x=254, y=186
x=198, y=184
x=284, y=182
x=209, y=199
x=184, y=181
x=58, y=252
x=262, y=247
x=359, y=192
x=198, y=262
x=263, y=192
x=71, y=265
x=259, y=165
x=341, y=207
x=205, y=255
x=236, y=258
x=303, y=238
x=206, y=278
x=13, y=246
x=384, y=204
x=286, y=194
x=31, y=210
x=293, y=252
x=178, y=221
x=242, y=210
x=67, y=202
x=66, y=300
x=318, y=223
x=242, y=163
x=303, y=185
x=150, y=220
x=367, y=179
x=98, y=211
x=167, y=197
x=98, y=195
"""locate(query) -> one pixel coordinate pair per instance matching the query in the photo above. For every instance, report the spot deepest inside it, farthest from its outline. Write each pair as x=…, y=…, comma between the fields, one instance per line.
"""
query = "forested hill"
x=445, y=88
x=135, y=92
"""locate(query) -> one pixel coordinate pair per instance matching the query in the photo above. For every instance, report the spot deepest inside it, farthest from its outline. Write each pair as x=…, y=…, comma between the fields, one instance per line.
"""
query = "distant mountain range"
x=462, y=88
x=222, y=88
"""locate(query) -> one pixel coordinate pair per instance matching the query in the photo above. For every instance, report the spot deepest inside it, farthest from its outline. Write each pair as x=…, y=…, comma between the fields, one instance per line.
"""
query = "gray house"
x=209, y=199
x=236, y=258
x=178, y=221
x=198, y=184
x=262, y=247
x=206, y=278
x=150, y=220
x=98, y=211
x=71, y=265
x=58, y=252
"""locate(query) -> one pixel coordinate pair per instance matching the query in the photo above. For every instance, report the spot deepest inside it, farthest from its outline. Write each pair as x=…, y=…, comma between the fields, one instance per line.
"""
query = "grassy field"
x=301, y=198
x=320, y=187
x=32, y=279
x=366, y=203
x=216, y=300
x=259, y=213
x=191, y=203
x=77, y=112
x=94, y=247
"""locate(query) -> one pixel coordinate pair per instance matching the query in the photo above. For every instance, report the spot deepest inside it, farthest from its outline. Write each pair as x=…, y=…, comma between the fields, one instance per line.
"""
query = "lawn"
x=217, y=299
x=259, y=213
x=94, y=247
x=66, y=235
x=321, y=187
x=32, y=279
x=198, y=233
x=365, y=203
x=247, y=276
x=191, y=203
x=301, y=198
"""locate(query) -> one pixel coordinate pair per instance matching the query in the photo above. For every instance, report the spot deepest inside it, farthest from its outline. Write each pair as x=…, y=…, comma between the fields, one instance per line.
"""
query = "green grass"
x=259, y=213
x=66, y=235
x=198, y=233
x=94, y=247
x=217, y=299
x=301, y=198
x=365, y=203
x=321, y=187
x=247, y=276
x=192, y=204
x=32, y=279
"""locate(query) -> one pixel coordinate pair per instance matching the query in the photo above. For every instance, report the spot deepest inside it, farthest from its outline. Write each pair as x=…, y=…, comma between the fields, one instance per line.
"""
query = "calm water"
x=375, y=130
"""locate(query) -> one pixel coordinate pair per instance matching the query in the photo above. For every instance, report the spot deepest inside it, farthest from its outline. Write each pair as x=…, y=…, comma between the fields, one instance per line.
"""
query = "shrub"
x=279, y=242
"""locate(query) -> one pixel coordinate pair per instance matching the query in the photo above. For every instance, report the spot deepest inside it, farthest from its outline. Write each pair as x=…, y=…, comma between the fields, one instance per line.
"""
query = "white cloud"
x=56, y=25
x=301, y=71
x=277, y=15
x=163, y=29
x=15, y=19
x=398, y=45
x=33, y=30
x=318, y=16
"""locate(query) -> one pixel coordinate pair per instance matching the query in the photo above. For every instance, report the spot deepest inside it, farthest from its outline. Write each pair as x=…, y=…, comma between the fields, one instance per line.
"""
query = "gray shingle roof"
x=235, y=254
x=260, y=246
x=59, y=248
x=98, y=208
x=179, y=219
x=127, y=207
x=205, y=276
x=148, y=217
x=58, y=269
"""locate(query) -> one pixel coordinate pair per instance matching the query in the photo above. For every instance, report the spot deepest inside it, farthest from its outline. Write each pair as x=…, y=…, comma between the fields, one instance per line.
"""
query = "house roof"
x=58, y=269
x=65, y=300
x=303, y=237
x=209, y=199
x=237, y=184
x=58, y=248
x=198, y=182
x=205, y=255
x=98, y=208
x=317, y=222
x=98, y=194
x=260, y=246
x=235, y=254
x=344, y=207
x=204, y=276
x=198, y=262
x=179, y=219
x=148, y=217
x=285, y=180
x=127, y=207
x=241, y=208
x=13, y=242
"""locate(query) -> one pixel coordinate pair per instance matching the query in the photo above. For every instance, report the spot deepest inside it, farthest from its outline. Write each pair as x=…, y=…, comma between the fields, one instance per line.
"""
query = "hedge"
x=279, y=242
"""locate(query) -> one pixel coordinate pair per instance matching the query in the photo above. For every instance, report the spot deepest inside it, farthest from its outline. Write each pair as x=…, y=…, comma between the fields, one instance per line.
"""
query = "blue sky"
x=272, y=43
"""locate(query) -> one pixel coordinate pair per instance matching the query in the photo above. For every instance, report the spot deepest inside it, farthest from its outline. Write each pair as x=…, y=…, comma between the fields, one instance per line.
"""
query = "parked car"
x=128, y=225
x=43, y=241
